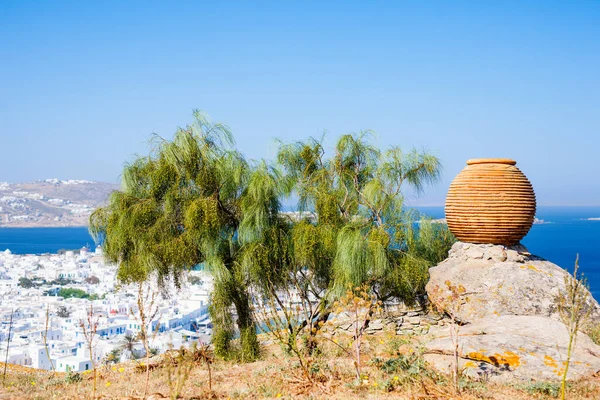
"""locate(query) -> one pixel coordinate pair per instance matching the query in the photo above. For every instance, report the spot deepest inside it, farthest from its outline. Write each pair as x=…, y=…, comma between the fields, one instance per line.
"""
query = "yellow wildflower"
x=107, y=384
x=121, y=369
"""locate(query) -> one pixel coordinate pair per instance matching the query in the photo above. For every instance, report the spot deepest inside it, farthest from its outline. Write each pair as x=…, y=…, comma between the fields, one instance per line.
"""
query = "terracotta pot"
x=490, y=201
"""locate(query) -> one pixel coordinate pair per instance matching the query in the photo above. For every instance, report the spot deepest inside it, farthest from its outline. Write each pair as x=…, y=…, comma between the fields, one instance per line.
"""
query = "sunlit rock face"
x=511, y=347
x=506, y=300
x=499, y=280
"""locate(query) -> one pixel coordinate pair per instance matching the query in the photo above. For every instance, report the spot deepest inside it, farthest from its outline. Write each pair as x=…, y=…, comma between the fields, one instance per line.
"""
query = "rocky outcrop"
x=509, y=347
x=505, y=299
x=499, y=280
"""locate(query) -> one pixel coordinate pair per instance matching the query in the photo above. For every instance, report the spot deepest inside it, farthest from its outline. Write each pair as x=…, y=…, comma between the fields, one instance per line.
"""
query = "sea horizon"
x=564, y=233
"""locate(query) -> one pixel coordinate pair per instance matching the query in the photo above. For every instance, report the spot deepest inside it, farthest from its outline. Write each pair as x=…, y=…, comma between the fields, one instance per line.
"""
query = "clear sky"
x=83, y=85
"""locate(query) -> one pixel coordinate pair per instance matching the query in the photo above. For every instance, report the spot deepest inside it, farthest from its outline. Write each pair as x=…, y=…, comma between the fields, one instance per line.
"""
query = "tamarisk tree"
x=193, y=200
x=361, y=234
x=196, y=200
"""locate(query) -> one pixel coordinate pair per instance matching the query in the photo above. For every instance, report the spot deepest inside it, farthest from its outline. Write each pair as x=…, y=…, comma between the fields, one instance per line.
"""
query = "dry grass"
x=392, y=369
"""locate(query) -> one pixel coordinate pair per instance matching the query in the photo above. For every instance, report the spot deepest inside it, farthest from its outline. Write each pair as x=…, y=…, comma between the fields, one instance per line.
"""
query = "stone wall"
x=397, y=317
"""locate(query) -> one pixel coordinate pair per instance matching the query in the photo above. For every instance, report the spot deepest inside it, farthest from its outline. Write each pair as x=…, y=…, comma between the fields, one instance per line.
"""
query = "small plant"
x=89, y=325
x=147, y=311
x=72, y=377
x=179, y=366
x=543, y=388
x=221, y=342
x=593, y=331
x=361, y=305
x=46, y=337
x=203, y=354
x=112, y=357
x=450, y=304
x=394, y=343
x=286, y=323
x=574, y=309
x=10, y=324
x=412, y=363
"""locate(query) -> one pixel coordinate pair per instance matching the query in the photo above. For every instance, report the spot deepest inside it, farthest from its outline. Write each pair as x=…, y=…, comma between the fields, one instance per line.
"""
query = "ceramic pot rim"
x=508, y=161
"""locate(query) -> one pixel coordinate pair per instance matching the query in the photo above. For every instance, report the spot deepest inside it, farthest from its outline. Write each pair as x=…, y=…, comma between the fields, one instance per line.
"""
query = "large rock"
x=513, y=347
x=495, y=280
x=507, y=300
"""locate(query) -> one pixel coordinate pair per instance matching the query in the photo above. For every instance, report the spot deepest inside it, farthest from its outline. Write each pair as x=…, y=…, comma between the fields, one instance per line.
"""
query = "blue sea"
x=568, y=231
x=44, y=240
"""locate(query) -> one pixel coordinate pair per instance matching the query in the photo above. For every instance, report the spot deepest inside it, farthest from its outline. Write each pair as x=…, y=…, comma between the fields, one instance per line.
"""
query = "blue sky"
x=83, y=85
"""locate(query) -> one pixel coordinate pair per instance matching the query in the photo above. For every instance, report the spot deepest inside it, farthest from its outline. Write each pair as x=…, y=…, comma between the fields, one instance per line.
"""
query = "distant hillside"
x=51, y=202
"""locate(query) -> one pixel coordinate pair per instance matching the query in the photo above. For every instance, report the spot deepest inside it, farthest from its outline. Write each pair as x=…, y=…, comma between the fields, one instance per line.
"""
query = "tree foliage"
x=63, y=312
x=191, y=201
x=76, y=293
x=353, y=231
x=362, y=233
x=194, y=199
x=26, y=283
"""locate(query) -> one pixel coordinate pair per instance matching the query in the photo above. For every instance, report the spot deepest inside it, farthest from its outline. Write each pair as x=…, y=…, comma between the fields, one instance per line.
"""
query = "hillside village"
x=30, y=296
x=51, y=202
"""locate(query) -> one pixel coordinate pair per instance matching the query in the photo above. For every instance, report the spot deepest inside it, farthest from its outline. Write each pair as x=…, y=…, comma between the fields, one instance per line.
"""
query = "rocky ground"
x=393, y=366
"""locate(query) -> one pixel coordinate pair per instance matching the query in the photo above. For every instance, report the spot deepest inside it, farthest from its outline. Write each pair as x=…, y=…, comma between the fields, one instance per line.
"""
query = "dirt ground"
x=391, y=367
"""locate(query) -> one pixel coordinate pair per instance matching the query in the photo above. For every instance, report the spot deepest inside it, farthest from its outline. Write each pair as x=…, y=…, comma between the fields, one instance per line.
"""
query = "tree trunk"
x=248, y=340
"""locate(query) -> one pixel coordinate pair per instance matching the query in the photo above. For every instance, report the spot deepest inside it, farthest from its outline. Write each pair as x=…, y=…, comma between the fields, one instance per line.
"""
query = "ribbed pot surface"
x=490, y=201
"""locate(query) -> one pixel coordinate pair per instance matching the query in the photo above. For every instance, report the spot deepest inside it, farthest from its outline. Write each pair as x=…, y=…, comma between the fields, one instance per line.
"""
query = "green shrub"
x=77, y=293
x=250, y=348
x=594, y=333
x=545, y=388
x=412, y=363
x=73, y=377
x=221, y=342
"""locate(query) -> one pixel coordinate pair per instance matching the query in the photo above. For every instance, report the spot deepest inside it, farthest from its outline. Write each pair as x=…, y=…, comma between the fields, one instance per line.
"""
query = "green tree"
x=189, y=202
x=25, y=283
x=63, y=312
x=112, y=357
x=61, y=281
x=127, y=346
x=360, y=232
x=195, y=200
x=357, y=195
x=70, y=292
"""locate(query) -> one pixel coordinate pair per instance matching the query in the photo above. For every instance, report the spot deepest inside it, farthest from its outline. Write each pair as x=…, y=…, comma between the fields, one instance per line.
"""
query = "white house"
x=16, y=356
x=39, y=357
